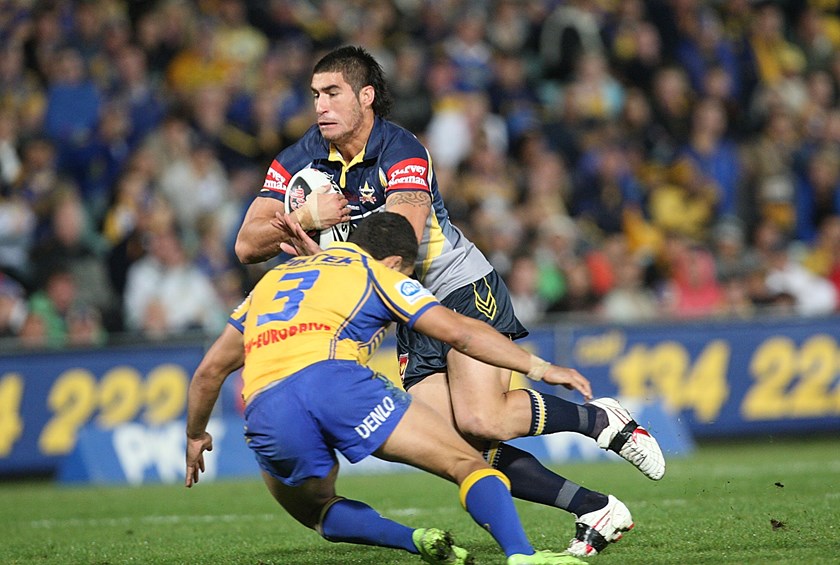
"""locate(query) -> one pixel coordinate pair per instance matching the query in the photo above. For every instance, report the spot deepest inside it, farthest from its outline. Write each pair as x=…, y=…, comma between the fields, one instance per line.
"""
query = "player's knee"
x=485, y=426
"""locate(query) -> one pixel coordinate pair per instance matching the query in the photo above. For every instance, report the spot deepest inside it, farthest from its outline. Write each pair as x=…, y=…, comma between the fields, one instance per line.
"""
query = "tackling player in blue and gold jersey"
x=309, y=326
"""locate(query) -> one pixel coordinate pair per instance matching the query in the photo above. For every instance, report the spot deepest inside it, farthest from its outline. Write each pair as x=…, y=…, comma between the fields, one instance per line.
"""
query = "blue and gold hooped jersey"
x=333, y=305
x=392, y=160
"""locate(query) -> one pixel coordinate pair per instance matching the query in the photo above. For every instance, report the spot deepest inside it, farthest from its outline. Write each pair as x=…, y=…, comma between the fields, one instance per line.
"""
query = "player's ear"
x=392, y=262
x=366, y=96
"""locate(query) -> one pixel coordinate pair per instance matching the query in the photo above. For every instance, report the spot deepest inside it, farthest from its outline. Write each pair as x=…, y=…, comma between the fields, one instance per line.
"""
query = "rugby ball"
x=304, y=183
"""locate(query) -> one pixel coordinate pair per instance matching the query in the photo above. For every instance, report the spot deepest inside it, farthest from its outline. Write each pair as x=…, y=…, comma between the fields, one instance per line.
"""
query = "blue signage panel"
x=733, y=378
x=47, y=398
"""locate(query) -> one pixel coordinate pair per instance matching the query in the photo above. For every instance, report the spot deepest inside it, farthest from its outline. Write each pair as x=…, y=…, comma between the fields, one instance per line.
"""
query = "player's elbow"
x=246, y=252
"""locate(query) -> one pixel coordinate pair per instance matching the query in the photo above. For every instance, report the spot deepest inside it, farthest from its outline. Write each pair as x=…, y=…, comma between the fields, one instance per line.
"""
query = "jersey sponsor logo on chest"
x=275, y=335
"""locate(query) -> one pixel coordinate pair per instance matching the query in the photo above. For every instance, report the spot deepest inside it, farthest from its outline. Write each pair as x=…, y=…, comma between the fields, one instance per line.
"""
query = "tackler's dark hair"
x=385, y=234
x=359, y=69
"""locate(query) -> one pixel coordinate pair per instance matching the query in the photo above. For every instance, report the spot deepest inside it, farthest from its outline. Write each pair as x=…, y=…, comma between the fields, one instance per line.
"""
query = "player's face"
x=338, y=110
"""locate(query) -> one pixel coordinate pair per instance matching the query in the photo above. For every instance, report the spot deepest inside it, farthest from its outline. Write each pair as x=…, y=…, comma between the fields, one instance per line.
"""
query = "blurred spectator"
x=71, y=240
x=469, y=51
x=239, y=43
x=199, y=64
x=823, y=257
x=523, y=283
x=692, y=290
x=13, y=309
x=768, y=160
x=513, y=96
x=166, y=294
x=629, y=300
x=671, y=101
x=195, y=185
x=97, y=162
x=715, y=154
x=817, y=192
x=606, y=188
x=570, y=31
x=131, y=199
x=17, y=231
x=812, y=37
x=768, y=43
x=73, y=100
x=407, y=85
x=137, y=91
x=459, y=122
x=20, y=91
x=578, y=296
x=683, y=200
x=55, y=305
x=812, y=295
x=704, y=46
x=729, y=243
x=594, y=93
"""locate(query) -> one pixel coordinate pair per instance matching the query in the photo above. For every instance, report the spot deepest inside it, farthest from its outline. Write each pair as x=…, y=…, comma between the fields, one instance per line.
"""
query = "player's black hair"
x=386, y=234
x=359, y=69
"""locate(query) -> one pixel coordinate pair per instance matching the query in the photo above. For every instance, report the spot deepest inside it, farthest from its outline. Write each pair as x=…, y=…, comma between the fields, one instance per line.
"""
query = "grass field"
x=742, y=503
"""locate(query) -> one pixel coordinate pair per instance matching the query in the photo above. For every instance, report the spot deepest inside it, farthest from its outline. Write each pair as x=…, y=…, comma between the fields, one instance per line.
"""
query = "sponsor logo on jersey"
x=376, y=418
x=409, y=173
x=276, y=178
x=412, y=290
x=271, y=336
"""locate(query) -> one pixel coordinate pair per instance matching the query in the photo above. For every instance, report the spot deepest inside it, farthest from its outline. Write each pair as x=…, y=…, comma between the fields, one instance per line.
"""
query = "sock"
x=531, y=481
x=550, y=414
x=485, y=495
x=352, y=521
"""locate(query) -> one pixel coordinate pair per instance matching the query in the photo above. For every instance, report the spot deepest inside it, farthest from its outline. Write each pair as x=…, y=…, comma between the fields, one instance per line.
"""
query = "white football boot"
x=630, y=440
x=596, y=530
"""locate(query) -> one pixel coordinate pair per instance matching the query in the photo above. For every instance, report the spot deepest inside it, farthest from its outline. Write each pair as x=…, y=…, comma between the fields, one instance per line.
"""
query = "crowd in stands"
x=616, y=160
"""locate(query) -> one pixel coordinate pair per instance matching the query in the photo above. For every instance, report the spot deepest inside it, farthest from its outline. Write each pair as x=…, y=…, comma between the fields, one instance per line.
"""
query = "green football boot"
x=544, y=557
x=437, y=546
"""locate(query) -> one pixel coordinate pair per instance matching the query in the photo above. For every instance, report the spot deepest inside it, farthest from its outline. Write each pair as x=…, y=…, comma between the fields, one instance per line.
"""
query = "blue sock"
x=485, y=495
x=352, y=521
x=550, y=414
x=531, y=481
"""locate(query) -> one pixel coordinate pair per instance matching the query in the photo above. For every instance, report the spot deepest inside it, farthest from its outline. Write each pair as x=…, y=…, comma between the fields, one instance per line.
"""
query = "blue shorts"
x=486, y=299
x=295, y=426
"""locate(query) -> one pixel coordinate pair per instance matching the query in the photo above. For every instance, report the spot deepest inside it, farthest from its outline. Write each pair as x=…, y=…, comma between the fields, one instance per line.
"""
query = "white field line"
x=184, y=519
x=129, y=520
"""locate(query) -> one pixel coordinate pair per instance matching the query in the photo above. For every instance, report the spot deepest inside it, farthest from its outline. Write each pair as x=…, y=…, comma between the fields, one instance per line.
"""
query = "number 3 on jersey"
x=294, y=295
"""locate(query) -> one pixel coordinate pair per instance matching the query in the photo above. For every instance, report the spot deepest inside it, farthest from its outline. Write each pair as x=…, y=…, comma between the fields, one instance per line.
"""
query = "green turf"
x=717, y=506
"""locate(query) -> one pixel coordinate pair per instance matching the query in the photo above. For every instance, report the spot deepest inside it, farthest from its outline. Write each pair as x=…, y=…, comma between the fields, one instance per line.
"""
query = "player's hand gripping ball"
x=312, y=181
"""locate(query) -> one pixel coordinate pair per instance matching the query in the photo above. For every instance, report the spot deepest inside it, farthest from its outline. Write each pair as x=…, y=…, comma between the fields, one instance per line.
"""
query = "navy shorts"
x=486, y=299
x=295, y=426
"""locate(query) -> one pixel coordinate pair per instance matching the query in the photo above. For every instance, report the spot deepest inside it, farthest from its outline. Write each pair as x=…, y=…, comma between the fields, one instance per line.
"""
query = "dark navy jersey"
x=392, y=160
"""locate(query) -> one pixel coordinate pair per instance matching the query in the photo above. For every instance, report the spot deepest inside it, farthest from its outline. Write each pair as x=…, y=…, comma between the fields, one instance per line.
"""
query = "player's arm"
x=416, y=205
x=260, y=237
x=226, y=355
x=481, y=341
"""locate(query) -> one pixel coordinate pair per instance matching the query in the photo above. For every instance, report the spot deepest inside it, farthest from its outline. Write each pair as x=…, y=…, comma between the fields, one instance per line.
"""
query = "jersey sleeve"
x=406, y=164
x=297, y=156
x=237, y=318
x=404, y=297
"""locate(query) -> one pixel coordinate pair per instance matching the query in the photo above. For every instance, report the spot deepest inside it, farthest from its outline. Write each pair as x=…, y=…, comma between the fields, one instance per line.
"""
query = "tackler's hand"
x=298, y=241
